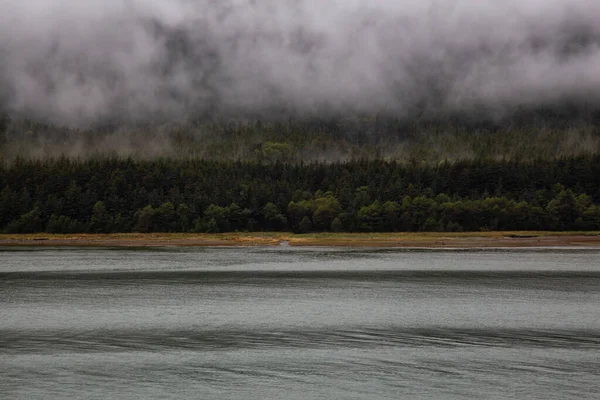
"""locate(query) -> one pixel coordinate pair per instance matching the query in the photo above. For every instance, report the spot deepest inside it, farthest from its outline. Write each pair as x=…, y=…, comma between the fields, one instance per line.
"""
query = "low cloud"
x=84, y=63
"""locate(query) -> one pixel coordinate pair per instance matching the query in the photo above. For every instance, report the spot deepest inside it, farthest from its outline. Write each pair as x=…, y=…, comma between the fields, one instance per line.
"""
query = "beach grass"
x=402, y=239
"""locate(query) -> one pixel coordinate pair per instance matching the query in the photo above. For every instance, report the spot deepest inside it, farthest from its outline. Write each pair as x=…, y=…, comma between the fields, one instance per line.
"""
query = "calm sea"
x=288, y=323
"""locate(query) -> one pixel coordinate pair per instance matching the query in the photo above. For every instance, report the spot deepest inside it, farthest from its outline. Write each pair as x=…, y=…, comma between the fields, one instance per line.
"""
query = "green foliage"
x=337, y=225
x=161, y=219
x=167, y=195
x=272, y=152
x=63, y=224
x=274, y=220
x=370, y=218
x=327, y=208
x=100, y=221
x=298, y=211
x=305, y=225
x=524, y=135
x=30, y=222
x=224, y=219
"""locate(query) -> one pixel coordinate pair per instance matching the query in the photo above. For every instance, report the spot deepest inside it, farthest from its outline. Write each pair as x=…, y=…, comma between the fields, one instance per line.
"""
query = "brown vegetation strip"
x=404, y=240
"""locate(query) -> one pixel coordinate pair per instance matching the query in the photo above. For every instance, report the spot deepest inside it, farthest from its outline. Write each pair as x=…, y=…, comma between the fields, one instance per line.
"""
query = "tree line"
x=65, y=195
x=526, y=136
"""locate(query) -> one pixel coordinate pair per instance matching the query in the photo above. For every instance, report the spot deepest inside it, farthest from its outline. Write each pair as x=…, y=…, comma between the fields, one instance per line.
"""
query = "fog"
x=83, y=63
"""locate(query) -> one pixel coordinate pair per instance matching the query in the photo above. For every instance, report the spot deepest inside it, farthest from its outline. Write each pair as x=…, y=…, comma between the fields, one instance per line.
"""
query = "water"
x=287, y=323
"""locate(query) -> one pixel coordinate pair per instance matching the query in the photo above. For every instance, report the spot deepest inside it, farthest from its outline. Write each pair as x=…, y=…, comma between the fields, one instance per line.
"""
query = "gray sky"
x=85, y=62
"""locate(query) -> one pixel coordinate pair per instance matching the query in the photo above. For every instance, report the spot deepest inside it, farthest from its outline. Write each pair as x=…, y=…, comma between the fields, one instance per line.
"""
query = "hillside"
x=543, y=133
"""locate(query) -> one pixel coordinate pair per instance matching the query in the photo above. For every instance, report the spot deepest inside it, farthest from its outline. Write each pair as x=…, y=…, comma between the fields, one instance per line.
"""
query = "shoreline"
x=434, y=240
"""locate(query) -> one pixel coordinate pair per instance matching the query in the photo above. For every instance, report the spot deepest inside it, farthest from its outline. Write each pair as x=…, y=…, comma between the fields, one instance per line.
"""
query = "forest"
x=533, y=169
x=65, y=195
x=560, y=130
x=217, y=116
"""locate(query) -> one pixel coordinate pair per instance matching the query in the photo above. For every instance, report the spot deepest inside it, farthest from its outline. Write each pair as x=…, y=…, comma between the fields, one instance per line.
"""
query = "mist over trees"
x=303, y=115
x=529, y=134
x=299, y=80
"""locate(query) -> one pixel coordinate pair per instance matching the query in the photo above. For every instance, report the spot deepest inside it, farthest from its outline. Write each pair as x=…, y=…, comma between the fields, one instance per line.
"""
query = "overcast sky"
x=84, y=62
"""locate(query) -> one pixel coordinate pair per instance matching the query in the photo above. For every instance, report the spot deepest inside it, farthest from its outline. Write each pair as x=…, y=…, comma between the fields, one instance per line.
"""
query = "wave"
x=222, y=340
x=195, y=274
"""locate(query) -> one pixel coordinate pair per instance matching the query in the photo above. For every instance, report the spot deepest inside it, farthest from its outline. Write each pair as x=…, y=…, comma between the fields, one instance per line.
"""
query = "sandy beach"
x=403, y=240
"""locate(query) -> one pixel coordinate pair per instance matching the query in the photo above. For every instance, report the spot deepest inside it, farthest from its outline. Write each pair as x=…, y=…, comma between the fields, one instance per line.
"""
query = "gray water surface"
x=288, y=323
